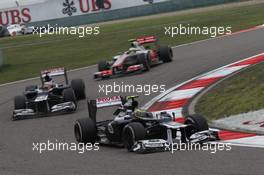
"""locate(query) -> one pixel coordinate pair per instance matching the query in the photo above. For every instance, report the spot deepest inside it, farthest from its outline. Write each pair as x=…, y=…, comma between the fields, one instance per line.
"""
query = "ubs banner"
x=54, y=9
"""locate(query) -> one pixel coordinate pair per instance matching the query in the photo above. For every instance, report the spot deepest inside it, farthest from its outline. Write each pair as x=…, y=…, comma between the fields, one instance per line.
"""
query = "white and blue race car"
x=138, y=130
x=52, y=96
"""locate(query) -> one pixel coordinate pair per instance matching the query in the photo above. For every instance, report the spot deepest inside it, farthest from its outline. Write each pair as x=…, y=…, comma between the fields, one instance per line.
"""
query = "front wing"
x=20, y=114
x=111, y=73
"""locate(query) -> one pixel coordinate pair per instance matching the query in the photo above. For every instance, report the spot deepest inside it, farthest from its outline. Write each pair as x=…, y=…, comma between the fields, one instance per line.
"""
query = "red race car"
x=143, y=54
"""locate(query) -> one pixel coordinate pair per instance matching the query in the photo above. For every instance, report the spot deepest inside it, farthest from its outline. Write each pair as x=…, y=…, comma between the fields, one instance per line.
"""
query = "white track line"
x=181, y=94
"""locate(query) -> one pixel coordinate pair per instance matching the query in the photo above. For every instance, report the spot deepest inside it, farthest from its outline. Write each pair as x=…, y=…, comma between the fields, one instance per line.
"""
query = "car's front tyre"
x=196, y=123
x=69, y=95
x=145, y=61
x=165, y=53
x=132, y=132
x=20, y=102
x=103, y=65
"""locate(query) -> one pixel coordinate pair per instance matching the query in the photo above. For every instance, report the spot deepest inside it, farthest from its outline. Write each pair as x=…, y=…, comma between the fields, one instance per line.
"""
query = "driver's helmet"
x=48, y=82
x=116, y=57
x=47, y=78
x=133, y=49
x=135, y=44
x=131, y=103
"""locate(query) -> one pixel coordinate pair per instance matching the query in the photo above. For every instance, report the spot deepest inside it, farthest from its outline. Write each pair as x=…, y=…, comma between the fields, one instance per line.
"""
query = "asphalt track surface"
x=16, y=138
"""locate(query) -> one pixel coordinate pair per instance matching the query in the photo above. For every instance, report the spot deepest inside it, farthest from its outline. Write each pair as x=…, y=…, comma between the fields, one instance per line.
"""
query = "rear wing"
x=146, y=39
x=109, y=101
x=54, y=72
x=102, y=102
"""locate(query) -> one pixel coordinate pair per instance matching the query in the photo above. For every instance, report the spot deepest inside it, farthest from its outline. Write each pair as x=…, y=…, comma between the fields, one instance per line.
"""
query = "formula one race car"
x=15, y=29
x=144, y=53
x=50, y=97
x=138, y=130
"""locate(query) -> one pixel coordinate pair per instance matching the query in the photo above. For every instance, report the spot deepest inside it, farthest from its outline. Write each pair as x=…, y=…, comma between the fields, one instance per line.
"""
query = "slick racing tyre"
x=196, y=123
x=79, y=88
x=165, y=53
x=103, y=65
x=20, y=102
x=85, y=130
x=144, y=60
x=69, y=95
x=133, y=132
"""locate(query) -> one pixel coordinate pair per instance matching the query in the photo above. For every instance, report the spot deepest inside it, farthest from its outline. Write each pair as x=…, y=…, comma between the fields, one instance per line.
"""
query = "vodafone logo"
x=15, y=16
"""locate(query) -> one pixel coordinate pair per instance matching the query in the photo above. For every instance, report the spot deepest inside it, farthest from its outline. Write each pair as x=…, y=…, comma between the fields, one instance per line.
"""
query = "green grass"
x=25, y=56
x=239, y=94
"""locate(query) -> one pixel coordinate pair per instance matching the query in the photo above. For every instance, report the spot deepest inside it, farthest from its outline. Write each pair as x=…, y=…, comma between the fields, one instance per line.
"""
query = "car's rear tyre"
x=20, y=102
x=196, y=123
x=165, y=53
x=103, y=65
x=85, y=130
x=69, y=95
x=132, y=132
x=145, y=61
x=79, y=88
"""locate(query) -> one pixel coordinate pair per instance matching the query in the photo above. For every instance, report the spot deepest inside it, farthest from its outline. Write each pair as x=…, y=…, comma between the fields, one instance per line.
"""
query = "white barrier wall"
x=55, y=9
